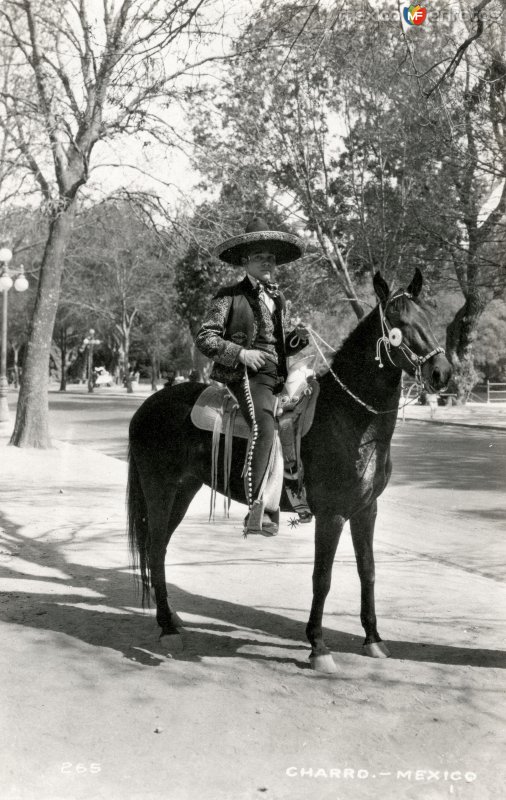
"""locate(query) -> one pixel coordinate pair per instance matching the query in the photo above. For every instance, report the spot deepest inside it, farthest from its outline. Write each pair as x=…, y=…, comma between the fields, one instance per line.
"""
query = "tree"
x=117, y=275
x=153, y=337
x=76, y=77
x=324, y=131
x=24, y=232
x=342, y=132
x=464, y=116
x=20, y=310
x=67, y=340
x=272, y=127
x=490, y=348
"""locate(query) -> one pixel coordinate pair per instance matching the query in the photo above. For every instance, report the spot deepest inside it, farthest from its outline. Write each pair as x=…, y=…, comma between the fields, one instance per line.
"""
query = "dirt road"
x=93, y=708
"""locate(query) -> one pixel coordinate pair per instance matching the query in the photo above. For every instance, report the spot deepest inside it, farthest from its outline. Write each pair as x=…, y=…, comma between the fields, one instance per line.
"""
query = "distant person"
x=432, y=400
x=170, y=377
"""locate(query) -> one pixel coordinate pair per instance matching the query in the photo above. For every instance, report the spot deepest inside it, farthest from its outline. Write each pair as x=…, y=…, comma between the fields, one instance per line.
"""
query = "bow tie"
x=272, y=289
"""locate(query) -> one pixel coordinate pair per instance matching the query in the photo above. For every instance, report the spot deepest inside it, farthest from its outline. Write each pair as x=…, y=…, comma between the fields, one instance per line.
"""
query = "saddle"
x=216, y=410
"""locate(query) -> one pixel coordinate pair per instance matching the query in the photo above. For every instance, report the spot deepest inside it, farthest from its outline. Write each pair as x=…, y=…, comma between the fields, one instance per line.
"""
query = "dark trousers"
x=256, y=397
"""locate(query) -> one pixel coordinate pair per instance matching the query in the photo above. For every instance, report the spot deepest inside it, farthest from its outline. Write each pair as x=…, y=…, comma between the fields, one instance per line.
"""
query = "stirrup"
x=299, y=504
x=290, y=472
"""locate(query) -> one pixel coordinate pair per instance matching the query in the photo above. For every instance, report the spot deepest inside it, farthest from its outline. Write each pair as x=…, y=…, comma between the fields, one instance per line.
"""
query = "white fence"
x=496, y=392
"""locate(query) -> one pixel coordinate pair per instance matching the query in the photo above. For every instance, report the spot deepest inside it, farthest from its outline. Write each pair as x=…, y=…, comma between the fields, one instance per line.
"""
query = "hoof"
x=172, y=643
x=376, y=650
x=323, y=663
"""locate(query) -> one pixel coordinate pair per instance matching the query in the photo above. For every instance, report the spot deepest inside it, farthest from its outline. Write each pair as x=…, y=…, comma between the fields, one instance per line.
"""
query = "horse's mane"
x=361, y=334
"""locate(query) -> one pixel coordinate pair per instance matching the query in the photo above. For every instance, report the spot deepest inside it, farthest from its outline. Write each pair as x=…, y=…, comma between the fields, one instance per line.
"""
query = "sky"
x=170, y=173
x=143, y=164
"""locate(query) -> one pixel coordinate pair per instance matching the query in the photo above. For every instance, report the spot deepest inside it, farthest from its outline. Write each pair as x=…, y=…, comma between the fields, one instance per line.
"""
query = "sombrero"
x=285, y=246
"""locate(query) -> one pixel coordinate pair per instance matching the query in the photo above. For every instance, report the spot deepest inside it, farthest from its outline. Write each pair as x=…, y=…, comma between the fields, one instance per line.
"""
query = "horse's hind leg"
x=328, y=531
x=362, y=533
x=159, y=512
x=165, y=522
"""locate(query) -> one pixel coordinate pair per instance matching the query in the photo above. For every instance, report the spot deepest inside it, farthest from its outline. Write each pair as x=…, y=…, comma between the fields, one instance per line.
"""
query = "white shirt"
x=264, y=297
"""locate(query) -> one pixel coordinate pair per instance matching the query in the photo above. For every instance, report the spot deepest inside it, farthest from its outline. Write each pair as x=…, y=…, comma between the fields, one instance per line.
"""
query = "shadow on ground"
x=97, y=606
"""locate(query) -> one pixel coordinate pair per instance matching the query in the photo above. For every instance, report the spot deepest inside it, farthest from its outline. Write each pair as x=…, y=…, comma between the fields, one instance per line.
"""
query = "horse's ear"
x=415, y=287
x=381, y=287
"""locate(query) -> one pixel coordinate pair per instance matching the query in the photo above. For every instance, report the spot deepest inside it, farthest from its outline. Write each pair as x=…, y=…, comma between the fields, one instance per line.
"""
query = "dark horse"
x=346, y=457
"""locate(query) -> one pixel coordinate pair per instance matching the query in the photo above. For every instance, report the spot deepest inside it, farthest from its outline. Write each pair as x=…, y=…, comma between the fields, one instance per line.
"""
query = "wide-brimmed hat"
x=285, y=246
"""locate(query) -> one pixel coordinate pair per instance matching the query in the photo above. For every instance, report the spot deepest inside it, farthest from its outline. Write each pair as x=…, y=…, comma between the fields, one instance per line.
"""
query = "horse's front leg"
x=328, y=531
x=362, y=533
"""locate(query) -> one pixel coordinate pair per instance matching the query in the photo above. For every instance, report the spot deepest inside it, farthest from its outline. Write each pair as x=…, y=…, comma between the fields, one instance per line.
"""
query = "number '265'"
x=68, y=768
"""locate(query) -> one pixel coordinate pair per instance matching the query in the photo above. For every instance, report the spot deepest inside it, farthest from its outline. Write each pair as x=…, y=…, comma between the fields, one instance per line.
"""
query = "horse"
x=345, y=456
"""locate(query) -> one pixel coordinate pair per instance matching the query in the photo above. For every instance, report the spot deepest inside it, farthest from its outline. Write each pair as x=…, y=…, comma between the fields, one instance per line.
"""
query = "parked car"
x=102, y=377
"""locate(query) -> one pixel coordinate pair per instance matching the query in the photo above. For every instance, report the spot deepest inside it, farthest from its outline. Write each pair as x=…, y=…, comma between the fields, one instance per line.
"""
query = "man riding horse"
x=244, y=333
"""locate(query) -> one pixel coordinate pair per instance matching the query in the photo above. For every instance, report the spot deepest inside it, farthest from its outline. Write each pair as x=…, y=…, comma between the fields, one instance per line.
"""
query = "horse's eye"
x=395, y=337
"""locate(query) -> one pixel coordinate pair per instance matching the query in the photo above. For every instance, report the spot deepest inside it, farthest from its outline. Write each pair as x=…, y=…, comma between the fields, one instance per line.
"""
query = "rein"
x=339, y=381
x=387, y=339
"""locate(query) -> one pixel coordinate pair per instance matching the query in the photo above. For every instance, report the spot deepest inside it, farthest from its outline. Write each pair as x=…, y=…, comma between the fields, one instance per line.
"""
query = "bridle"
x=392, y=338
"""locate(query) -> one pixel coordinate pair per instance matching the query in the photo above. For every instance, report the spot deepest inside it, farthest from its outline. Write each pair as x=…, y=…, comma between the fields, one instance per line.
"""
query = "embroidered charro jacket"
x=237, y=319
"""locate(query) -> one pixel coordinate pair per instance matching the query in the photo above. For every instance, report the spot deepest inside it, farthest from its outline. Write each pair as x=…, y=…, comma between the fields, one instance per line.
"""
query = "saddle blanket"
x=215, y=403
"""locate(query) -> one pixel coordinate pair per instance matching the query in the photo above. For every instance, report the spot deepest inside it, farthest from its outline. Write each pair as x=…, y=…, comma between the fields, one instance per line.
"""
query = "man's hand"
x=299, y=336
x=301, y=331
x=254, y=359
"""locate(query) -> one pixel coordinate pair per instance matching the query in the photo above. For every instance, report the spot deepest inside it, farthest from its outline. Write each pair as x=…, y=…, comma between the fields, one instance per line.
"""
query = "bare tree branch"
x=457, y=58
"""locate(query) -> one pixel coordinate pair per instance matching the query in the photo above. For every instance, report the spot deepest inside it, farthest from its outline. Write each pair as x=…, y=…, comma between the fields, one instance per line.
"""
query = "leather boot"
x=298, y=502
x=260, y=521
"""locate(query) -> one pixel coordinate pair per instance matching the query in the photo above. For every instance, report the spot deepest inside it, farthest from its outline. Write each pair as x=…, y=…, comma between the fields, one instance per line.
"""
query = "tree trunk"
x=123, y=355
x=116, y=363
x=339, y=269
x=155, y=369
x=460, y=337
x=55, y=359
x=63, y=350
x=31, y=428
x=15, y=350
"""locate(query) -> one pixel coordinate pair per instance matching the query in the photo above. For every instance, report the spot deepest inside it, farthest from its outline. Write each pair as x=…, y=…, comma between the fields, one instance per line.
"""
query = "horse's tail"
x=138, y=533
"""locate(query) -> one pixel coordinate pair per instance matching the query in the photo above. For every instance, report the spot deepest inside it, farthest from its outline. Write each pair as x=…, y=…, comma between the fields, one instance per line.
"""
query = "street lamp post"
x=90, y=342
x=20, y=285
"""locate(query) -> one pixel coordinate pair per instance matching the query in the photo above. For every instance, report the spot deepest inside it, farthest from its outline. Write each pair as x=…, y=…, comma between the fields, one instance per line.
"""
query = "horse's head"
x=407, y=341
